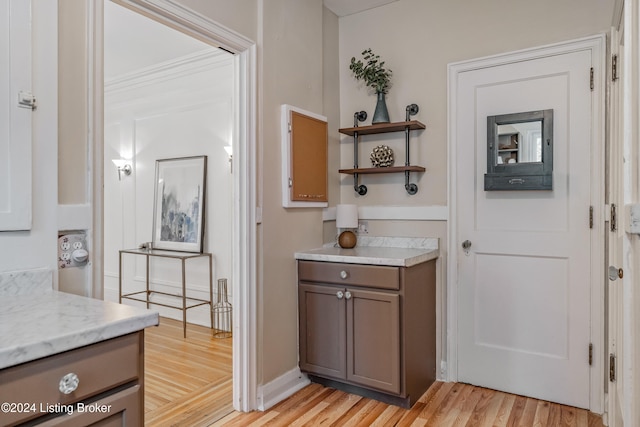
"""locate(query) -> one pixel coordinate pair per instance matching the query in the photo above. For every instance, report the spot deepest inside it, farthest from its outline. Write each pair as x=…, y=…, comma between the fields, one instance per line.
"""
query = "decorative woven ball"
x=382, y=157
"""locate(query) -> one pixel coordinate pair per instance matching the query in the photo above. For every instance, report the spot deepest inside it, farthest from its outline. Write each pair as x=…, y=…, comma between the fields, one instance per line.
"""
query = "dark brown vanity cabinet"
x=368, y=329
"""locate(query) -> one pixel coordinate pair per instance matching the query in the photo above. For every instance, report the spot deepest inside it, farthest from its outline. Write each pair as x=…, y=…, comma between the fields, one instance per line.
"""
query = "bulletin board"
x=304, y=150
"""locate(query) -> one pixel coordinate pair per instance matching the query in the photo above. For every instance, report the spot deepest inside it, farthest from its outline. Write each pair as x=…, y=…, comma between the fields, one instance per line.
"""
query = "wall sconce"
x=229, y=150
x=347, y=217
x=122, y=166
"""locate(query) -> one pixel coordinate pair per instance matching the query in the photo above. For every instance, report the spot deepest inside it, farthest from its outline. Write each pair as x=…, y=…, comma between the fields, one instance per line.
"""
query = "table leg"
x=211, y=290
x=184, y=300
x=147, y=282
x=120, y=278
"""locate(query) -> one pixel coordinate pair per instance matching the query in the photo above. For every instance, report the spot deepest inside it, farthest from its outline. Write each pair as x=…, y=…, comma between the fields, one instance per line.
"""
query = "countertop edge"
x=16, y=355
x=428, y=255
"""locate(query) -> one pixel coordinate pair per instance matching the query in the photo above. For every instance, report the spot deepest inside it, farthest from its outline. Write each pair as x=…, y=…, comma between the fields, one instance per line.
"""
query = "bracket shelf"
x=357, y=131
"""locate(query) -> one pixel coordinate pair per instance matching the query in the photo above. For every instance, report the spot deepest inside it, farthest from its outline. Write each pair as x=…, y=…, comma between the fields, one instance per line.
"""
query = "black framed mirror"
x=520, y=151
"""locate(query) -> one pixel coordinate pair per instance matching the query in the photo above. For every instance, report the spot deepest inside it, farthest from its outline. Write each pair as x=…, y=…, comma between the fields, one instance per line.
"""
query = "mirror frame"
x=519, y=176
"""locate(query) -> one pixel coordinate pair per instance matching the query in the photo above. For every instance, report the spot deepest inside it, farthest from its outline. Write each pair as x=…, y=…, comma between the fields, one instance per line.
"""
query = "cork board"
x=307, y=159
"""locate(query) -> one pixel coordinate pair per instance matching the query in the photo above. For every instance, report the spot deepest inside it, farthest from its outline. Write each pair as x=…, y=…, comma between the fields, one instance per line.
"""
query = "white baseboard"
x=392, y=213
x=282, y=387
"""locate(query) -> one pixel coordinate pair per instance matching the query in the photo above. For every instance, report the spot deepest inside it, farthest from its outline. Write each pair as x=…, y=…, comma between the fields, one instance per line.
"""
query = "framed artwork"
x=179, y=202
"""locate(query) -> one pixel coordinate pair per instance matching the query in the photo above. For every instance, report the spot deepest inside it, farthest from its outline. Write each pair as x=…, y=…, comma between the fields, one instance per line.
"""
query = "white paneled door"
x=524, y=285
x=15, y=117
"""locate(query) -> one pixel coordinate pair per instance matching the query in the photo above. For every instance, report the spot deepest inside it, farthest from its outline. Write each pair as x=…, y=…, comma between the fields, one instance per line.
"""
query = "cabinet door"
x=15, y=122
x=373, y=339
x=322, y=330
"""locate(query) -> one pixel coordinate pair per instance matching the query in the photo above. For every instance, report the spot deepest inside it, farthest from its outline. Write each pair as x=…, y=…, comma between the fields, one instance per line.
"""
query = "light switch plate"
x=632, y=213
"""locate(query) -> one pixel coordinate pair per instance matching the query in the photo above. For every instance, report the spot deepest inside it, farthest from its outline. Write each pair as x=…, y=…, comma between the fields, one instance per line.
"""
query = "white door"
x=15, y=121
x=524, y=287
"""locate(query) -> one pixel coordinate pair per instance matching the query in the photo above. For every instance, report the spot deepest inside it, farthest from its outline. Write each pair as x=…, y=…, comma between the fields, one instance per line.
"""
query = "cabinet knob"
x=344, y=274
x=69, y=383
x=340, y=294
x=347, y=295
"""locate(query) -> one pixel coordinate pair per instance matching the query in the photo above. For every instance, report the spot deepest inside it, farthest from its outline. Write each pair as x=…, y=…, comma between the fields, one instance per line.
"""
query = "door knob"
x=615, y=273
x=465, y=246
x=340, y=294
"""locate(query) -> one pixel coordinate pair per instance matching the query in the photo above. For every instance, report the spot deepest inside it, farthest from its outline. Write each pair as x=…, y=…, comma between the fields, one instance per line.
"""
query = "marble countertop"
x=40, y=324
x=399, y=252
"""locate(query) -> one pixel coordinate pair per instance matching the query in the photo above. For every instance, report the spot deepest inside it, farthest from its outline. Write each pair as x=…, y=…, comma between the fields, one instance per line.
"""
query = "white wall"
x=180, y=109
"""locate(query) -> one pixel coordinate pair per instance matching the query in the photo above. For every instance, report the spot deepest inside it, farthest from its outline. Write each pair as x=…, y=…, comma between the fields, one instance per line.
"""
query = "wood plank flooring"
x=188, y=382
x=443, y=405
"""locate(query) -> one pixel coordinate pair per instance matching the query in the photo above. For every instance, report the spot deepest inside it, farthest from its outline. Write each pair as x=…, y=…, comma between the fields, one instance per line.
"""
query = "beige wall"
x=292, y=73
x=417, y=39
x=72, y=97
x=298, y=51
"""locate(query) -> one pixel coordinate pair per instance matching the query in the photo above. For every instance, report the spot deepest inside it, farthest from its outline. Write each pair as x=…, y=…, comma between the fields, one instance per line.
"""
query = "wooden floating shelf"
x=391, y=169
x=383, y=128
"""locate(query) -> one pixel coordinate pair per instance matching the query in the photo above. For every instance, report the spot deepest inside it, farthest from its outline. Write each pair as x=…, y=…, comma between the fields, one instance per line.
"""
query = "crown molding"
x=168, y=70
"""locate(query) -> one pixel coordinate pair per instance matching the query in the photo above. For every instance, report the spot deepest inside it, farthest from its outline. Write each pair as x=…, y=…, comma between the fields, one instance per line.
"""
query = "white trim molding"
x=595, y=44
x=282, y=387
x=176, y=68
x=74, y=217
x=396, y=213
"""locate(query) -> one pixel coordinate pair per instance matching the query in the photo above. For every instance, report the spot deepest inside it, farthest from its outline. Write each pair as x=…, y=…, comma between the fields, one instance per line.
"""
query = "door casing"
x=597, y=44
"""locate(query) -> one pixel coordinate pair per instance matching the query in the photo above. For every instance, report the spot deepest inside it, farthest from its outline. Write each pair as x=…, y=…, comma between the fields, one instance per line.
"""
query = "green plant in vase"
x=375, y=76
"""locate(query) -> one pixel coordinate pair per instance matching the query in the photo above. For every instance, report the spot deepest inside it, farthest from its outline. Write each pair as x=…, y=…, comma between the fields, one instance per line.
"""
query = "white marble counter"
x=392, y=251
x=39, y=324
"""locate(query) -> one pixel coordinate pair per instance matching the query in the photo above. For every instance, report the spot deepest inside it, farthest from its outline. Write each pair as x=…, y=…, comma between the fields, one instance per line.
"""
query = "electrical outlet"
x=72, y=250
x=363, y=227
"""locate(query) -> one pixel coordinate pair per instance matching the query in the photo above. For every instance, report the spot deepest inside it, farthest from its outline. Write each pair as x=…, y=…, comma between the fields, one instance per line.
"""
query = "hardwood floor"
x=188, y=382
x=443, y=405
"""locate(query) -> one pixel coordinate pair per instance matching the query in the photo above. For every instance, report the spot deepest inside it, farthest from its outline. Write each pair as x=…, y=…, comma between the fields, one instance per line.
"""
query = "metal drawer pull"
x=69, y=383
x=516, y=181
x=340, y=294
x=347, y=295
x=344, y=274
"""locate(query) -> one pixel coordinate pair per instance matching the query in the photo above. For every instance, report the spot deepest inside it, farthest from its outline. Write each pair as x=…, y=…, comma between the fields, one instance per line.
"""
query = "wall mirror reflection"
x=520, y=151
x=520, y=143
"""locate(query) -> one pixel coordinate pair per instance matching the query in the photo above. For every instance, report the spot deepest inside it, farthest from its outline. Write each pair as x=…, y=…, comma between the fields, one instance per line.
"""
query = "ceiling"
x=133, y=42
x=349, y=7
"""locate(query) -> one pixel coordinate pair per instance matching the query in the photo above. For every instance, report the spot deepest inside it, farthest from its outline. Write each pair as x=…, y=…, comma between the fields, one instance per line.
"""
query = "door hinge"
x=590, y=216
x=612, y=367
x=591, y=78
x=613, y=221
x=614, y=68
x=590, y=354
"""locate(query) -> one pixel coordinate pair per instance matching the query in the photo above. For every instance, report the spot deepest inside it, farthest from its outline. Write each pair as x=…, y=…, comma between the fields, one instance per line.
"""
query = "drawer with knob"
x=71, y=376
x=371, y=276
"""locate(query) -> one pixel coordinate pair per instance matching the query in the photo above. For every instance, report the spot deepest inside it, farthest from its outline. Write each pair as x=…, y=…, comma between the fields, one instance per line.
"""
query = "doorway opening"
x=243, y=141
x=169, y=96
